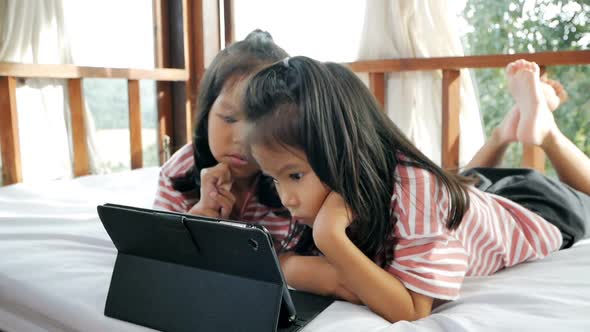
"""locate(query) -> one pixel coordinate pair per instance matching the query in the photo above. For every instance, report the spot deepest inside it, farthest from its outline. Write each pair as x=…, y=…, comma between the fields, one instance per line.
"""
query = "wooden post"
x=377, y=87
x=173, y=21
x=451, y=102
x=9, y=135
x=193, y=34
x=202, y=42
x=182, y=27
x=76, y=100
x=135, y=142
x=164, y=89
x=228, y=21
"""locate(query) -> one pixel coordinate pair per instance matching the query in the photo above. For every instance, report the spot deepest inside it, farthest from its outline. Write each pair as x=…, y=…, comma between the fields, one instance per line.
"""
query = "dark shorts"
x=556, y=202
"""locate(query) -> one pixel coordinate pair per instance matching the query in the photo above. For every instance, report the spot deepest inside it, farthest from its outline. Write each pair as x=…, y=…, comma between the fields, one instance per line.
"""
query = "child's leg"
x=537, y=126
x=570, y=163
x=492, y=153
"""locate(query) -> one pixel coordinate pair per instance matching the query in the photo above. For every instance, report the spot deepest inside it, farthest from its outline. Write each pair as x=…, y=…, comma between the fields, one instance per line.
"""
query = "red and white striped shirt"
x=494, y=233
x=167, y=198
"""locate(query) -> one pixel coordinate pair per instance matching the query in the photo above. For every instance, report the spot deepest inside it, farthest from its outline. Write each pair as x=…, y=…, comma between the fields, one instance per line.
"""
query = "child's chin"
x=243, y=171
x=306, y=221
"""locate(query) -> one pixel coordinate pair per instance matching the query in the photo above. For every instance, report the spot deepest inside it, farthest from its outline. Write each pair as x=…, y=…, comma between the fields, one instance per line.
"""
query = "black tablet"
x=184, y=272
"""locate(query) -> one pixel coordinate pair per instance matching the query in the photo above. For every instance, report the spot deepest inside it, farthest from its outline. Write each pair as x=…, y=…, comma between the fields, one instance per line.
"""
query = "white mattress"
x=56, y=262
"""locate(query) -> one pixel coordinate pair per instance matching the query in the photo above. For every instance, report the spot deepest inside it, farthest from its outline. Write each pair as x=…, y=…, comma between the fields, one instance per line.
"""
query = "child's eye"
x=229, y=119
x=296, y=176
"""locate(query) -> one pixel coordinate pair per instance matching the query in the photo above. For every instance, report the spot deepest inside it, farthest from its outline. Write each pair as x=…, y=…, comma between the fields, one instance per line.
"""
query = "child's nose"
x=236, y=138
x=288, y=198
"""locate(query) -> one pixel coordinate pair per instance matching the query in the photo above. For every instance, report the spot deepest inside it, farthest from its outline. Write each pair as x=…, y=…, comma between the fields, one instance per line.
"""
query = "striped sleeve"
x=434, y=266
x=167, y=198
x=428, y=259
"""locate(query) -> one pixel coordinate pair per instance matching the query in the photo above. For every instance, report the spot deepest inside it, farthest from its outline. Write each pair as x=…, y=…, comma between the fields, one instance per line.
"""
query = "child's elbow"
x=340, y=291
x=395, y=315
x=419, y=315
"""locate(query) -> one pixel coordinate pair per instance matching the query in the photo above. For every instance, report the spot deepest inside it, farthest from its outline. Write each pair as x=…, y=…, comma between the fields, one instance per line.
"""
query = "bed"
x=56, y=262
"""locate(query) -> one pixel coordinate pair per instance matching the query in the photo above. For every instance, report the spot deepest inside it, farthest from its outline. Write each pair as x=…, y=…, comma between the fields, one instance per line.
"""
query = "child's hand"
x=332, y=219
x=216, y=198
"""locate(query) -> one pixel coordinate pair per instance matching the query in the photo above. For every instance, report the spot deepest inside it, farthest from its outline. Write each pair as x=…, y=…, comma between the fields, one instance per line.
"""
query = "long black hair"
x=240, y=59
x=326, y=111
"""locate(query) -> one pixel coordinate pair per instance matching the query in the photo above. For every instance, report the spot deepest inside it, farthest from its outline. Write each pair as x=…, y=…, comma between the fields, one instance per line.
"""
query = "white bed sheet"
x=56, y=262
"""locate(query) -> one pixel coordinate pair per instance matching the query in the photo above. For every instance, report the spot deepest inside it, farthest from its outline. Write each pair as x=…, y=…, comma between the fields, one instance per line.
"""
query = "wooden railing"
x=9, y=134
x=450, y=67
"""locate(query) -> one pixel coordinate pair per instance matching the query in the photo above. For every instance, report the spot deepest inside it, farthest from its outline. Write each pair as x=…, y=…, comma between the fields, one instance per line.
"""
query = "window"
x=115, y=34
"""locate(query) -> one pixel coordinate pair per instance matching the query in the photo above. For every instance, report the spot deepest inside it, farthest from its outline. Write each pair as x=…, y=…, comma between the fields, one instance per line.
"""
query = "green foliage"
x=522, y=26
x=107, y=101
x=150, y=158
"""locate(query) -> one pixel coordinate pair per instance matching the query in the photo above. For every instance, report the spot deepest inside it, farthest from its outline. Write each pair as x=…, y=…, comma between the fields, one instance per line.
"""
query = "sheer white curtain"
x=419, y=29
x=34, y=32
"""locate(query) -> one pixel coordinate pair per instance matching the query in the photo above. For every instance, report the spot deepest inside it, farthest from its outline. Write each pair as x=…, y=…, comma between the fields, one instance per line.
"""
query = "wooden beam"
x=9, y=135
x=176, y=56
x=451, y=104
x=476, y=61
x=164, y=89
x=194, y=61
x=228, y=21
x=135, y=142
x=377, y=87
x=201, y=43
x=76, y=101
x=72, y=71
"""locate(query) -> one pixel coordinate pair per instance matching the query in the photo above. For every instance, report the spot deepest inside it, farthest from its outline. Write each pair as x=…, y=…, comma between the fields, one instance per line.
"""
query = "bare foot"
x=536, y=120
x=506, y=131
x=550, y=96
x=518, y=65
x=554, y=93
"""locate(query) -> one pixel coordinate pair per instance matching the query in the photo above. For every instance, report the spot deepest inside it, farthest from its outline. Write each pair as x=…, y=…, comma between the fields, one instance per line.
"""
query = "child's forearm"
x=379, y=290
x=316, y=275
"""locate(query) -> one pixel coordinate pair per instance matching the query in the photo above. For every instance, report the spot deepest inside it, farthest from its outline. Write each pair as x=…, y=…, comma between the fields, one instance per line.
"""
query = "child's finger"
x=207, y=181
x=219, y=175
x=224, y=178
x=226, y=201
x=209, y=188
x=210, y=202
x=226, y=197
x=206, y=211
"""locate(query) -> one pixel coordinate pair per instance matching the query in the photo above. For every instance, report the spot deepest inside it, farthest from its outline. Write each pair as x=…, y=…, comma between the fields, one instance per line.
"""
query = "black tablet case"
x=182, y=273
